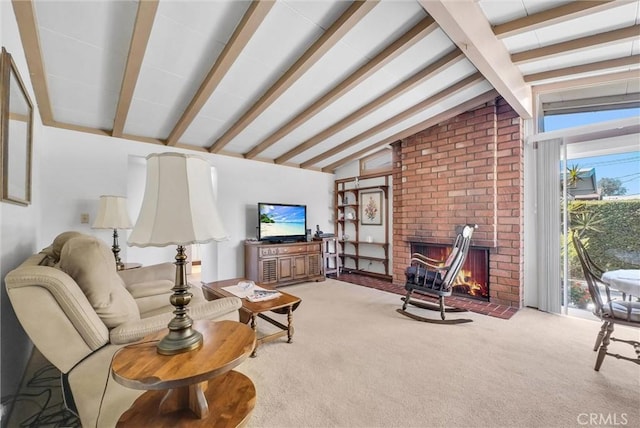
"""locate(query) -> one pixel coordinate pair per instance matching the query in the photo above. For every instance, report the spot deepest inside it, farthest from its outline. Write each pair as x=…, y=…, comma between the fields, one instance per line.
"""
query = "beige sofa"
x=78, y=311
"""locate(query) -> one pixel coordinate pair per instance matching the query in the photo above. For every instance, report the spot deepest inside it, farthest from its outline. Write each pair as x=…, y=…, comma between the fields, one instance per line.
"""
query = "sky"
x=624, y=167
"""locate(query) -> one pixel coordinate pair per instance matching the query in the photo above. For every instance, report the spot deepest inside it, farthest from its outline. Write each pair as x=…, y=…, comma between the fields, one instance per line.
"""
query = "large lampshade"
x=112, y=214
x=178, y=208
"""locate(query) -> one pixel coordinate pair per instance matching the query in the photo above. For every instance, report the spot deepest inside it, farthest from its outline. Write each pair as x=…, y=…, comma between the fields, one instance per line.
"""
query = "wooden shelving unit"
x=348, y=227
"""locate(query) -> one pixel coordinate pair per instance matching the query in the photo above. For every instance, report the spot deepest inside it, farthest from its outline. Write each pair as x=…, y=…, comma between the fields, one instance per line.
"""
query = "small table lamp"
x=112, y=214
x=178, y=209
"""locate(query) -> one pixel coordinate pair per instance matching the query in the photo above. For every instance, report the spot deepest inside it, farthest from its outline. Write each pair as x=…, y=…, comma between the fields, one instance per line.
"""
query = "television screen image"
x=282, y=222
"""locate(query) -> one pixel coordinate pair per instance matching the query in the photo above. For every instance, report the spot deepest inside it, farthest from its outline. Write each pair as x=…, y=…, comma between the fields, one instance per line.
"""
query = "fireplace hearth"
x=473, y=279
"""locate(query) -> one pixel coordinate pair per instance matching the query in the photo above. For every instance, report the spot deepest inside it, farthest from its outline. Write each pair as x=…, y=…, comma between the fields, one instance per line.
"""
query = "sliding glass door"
x=601, y=203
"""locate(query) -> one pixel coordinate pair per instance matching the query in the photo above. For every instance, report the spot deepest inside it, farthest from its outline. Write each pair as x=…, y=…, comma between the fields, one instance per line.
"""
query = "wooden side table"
x=183, y=388
x=284, y=305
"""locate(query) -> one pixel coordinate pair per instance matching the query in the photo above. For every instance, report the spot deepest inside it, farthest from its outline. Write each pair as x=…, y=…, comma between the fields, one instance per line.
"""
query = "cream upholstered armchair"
x=78, y=310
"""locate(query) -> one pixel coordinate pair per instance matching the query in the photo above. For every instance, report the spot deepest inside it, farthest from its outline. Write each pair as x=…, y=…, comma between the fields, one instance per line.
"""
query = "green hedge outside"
x=613, y=240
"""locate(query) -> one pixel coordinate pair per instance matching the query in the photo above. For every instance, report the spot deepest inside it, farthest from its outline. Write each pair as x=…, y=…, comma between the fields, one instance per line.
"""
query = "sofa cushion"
x=90, y=262
x=59, y=241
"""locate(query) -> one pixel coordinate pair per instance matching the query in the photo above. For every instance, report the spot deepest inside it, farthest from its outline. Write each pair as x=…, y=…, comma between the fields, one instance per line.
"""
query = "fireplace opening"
x=473, y=278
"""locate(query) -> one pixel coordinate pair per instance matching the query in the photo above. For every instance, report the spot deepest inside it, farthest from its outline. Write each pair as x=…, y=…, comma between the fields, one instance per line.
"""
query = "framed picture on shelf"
x=371, y=206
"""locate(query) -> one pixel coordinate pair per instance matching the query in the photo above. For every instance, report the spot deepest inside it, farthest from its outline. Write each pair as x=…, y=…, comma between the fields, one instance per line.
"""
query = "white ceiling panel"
x=332, y=69
x=594, y=91
x=426, y=51
x=77, y=52
x=77, y=103
x=595, y=23
x=76, y=60
x=535, y=6
x=420, y=117
x=201, y=130
x=501, y=11
x=382, y=115
x=386, y=22
x=103, y=24
x=320, y=12
x=344, y=59
x=205, y=16
x=576, y=58
x=259, y=66
x=414, y=59
x=147, y=114
x=84, y=58
x=177, y=59
x=279, y=44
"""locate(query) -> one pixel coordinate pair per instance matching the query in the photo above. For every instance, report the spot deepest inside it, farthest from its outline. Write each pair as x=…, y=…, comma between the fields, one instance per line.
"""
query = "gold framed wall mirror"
x=16, y=133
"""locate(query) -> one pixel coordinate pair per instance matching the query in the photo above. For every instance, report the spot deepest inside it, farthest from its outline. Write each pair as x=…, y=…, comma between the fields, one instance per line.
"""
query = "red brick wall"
x=468, y=169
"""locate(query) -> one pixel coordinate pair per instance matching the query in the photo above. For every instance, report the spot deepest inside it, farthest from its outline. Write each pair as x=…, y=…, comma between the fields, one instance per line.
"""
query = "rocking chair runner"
x=436, y=278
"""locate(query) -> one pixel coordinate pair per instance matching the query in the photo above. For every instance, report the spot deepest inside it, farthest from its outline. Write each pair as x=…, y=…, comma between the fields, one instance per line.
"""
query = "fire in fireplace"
x=473, y=279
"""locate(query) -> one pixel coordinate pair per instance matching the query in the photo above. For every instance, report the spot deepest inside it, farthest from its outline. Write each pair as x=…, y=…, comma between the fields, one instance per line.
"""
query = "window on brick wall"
x=376, y=163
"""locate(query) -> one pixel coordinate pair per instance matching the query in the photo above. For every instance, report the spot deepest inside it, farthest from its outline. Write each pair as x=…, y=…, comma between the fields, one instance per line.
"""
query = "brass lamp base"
x=179, y=341
x=181, y=337
x=116, y=250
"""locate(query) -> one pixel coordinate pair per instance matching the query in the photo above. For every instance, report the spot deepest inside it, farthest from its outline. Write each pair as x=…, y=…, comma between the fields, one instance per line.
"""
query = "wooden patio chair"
x=611, y=311
x=435, y=278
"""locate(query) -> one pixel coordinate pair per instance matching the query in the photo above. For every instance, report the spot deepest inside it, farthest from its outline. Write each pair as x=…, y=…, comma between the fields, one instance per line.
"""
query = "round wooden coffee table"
x=183, y=388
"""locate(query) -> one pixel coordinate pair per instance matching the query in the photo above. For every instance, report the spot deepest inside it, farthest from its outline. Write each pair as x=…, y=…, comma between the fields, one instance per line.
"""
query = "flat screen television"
x=282, y=222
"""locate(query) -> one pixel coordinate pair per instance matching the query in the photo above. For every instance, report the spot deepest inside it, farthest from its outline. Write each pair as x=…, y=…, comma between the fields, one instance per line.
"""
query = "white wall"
x=80, y=167
x=19, y=229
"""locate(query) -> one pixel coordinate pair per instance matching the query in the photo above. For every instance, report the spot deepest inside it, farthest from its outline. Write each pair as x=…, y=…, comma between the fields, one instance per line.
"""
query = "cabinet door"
x=300, y=266
x=314, y=263
x=286, y=268
x=268, y=273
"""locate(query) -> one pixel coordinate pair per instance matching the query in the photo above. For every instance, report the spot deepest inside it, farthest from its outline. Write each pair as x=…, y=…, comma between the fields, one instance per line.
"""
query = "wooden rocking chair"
x=436, y=278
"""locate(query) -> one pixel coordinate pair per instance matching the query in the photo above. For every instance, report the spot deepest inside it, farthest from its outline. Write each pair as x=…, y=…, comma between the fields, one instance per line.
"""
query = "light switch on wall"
x=84, y=218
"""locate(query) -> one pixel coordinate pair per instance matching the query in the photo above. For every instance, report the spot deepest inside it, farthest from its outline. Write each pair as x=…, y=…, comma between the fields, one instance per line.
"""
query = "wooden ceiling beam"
x=601, y=39
x=608, y=64
x=414, y=35
x=554, y=16
x=467, y=26
x=141, y=32
x=399, y=118
x=329, y=39
x=423, y=75
x=28, y=28
x=446, y=115
x=245, y=30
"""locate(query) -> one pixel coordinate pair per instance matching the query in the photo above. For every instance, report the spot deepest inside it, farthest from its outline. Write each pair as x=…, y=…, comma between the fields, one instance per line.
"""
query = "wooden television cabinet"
x=283, y=263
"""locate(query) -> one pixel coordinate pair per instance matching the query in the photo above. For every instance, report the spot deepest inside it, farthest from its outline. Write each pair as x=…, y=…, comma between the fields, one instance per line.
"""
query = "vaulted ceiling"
x=316, y=84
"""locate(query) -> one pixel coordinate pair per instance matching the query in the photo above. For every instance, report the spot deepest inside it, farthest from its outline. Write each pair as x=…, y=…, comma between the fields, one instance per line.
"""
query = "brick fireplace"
x=468, y=169
x=473, y=279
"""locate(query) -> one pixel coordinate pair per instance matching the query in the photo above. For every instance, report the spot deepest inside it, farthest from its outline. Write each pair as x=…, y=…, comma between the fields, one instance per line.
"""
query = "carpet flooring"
x=355, y=362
